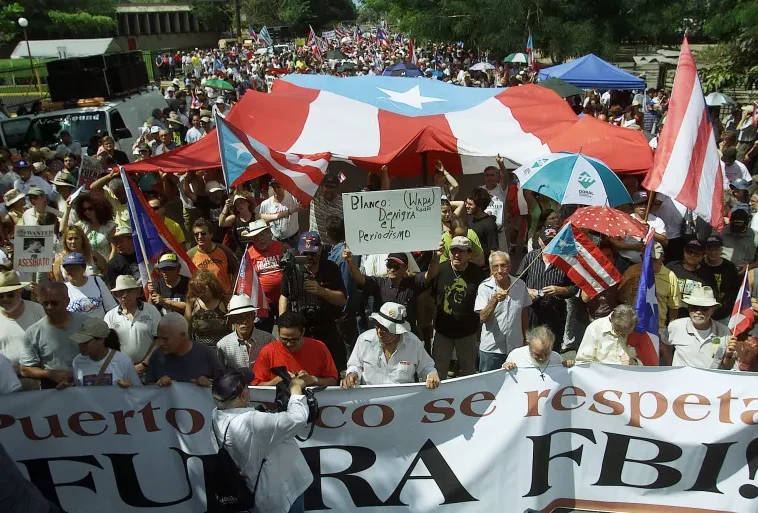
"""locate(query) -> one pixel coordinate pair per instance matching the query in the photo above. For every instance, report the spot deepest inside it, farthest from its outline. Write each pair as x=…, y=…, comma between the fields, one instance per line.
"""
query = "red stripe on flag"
x=688, y=194
x=684, y=82
x=645, y=347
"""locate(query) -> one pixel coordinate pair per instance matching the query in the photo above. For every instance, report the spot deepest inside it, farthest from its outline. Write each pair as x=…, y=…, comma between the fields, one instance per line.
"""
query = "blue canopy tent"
x=591, y=71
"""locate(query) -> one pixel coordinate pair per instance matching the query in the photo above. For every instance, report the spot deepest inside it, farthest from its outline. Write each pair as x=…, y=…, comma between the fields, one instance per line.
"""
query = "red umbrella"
x=608, y=221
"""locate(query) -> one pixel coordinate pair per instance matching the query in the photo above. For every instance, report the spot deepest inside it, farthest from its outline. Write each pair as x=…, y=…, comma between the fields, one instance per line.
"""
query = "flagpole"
x=128, y=183
x=649, y=204
x=539, y=255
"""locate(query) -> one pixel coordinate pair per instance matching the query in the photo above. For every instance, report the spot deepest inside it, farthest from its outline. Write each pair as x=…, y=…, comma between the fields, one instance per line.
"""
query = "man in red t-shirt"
x=306, y=358
x=265, y=253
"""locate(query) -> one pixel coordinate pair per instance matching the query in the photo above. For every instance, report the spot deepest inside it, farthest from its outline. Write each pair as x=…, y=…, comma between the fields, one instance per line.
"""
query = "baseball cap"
x=714, y=241
x=398, y=258
x=309, y=242
x=657, y=250
x=36, y=191
x=91, y=328
x=155, y=129
x=205, y=119
x=694, y=246
x=168, y=261
x=330, y=181
x=547, y=234
x=213, y=187
x=460, y=242
x=640, y=197
x=740, y=184
x=21, y=163
x=219, y=100
x=73, y=259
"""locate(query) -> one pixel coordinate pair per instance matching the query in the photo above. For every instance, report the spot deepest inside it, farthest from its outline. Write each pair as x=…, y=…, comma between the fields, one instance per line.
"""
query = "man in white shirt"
x=8, y=379
x=280, y=212
x=16, y=316
x=697, y=340
x=631, y=247
x=733, y=168
x=27, y=180
x=605, y=340
x=494, y=184
x=390, y=353
x=98, y=365
x=38, y=199
x=67, y=145
x=538, y=352
x=502, y=302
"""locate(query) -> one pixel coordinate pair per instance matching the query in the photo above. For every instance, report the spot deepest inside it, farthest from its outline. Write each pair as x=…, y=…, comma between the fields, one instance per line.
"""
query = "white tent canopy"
x=64, y=48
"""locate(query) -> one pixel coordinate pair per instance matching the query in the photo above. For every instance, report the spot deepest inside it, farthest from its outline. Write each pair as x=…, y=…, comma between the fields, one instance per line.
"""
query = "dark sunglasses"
x=200, y=234
x=157, y=208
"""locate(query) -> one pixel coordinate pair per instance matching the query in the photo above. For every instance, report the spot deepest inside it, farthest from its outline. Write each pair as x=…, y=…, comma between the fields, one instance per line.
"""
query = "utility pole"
x=238, y=14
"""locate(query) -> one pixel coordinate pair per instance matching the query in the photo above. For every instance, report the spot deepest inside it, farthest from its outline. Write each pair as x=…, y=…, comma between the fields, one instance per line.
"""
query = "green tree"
x=80, y=24
x=9, y=15
x=213, y=16
x=734, y=62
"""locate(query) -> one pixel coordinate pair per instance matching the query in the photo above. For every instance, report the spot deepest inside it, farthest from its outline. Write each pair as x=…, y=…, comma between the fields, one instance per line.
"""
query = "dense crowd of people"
x=486, y=299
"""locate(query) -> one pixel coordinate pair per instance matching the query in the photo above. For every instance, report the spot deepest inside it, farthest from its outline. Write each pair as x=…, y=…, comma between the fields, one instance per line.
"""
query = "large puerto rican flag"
x=687, y=165
x=575, y=254
x=375, y=120
x=243, y=158
x=152, y=239
x=646, y=337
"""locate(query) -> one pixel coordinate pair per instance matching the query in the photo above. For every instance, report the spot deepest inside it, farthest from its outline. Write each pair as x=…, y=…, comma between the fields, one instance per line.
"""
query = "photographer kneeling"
x=263, y=444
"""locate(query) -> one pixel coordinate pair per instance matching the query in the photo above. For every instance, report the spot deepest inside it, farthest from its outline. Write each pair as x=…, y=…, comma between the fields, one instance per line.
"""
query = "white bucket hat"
x=241, y=304
x=701, y=296
x=126, y=282
x=394, y=317
x=256, y=227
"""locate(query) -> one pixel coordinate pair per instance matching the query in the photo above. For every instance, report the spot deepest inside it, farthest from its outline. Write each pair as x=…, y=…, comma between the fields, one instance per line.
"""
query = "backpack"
x=227, y=483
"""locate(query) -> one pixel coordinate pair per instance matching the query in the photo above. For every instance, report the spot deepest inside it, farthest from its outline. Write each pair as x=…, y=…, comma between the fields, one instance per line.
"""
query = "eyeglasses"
x=7, y=295
x=200, y=234
x=289, y=340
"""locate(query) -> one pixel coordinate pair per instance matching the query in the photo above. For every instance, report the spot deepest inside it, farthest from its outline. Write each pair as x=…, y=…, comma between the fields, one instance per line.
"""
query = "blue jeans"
x=299, y=505
x=491, y=361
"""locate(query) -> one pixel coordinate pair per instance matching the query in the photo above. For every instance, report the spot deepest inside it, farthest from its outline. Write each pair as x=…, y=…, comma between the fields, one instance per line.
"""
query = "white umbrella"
x=346, y=39
x=718, y=100
x=481, y=66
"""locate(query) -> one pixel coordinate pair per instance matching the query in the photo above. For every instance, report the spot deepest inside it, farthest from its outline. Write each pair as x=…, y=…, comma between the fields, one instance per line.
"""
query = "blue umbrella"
x=403, y=69
x=573, y=178
x=436, y=73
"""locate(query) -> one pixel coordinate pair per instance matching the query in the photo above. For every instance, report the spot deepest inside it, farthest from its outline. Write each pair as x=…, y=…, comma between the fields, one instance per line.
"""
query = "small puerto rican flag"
x=742, y=314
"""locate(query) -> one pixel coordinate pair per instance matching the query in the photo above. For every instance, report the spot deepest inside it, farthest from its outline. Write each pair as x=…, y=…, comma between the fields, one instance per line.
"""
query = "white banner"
x=329, y=34
x=401, y=220
x=33, y=249
x=597, y=438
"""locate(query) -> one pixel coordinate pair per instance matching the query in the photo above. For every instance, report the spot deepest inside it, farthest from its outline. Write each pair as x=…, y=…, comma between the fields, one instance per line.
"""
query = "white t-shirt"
x=635, y=257
x=9, y=382
x=523, y=358
x=33, y=181
x=92, y=299
x=194, y=135
x=136, y=336
x=285, y=227
x=12, y=330
x=29, y=218
x=376, y=265
x=120, y=367
x=734, y=172
x=496, y=208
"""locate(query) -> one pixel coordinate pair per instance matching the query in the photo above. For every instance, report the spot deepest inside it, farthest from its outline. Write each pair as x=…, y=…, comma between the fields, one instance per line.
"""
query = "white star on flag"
x=412, y=97
x=650, y=298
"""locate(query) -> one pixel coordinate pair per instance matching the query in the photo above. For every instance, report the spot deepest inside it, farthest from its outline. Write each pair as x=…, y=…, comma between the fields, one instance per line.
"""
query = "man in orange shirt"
x=213, y=257
x=305, y=358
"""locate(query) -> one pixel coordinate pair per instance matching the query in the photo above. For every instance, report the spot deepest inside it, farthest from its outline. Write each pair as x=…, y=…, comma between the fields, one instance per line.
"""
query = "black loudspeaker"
x=96, y=76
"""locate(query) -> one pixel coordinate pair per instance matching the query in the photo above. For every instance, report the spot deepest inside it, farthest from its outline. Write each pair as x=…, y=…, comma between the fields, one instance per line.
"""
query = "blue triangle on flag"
x=563, y=243
x=235, y=157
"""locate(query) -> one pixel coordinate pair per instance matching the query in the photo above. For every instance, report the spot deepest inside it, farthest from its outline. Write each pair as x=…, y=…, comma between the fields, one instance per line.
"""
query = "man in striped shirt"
x=548, y=288
x=240, y=348
x=326, y=203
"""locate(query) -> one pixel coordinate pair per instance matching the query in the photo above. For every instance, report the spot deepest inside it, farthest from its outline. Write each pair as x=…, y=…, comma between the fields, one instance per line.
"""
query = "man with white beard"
x=16, y=315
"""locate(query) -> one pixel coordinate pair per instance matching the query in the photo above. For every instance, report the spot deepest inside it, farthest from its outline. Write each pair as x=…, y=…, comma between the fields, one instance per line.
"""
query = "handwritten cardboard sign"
x=401, y=220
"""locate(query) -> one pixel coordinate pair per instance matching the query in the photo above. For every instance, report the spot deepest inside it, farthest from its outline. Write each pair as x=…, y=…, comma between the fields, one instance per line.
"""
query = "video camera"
x=295, y=273
x=283, y=394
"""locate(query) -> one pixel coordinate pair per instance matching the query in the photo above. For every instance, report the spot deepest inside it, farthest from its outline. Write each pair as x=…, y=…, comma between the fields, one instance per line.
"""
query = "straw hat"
x=394, y=317
x=701, y=296
x=126, y=282
x=241, y=304
x=9, y=282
